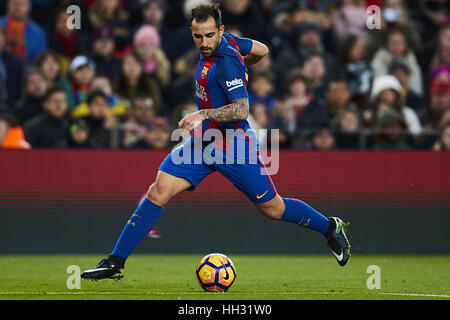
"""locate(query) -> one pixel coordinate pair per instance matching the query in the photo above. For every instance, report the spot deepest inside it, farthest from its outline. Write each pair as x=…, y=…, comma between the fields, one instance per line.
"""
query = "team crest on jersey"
x=204, y=72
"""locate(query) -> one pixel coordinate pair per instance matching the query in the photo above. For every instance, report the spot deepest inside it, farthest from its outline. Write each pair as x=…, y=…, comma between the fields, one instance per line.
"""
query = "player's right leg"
x=165, y=187
x=255, y=182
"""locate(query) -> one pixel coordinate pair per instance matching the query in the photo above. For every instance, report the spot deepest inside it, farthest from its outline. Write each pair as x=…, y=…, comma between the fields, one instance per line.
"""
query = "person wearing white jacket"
x=397, y=48
x=388, y=89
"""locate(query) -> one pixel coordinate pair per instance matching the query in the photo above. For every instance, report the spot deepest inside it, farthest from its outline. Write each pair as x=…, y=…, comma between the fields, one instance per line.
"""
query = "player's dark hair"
x=202, y=12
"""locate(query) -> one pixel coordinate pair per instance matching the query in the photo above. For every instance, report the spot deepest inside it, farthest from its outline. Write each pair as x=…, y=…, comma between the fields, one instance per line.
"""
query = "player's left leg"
x=255, y=182
x=296, y=211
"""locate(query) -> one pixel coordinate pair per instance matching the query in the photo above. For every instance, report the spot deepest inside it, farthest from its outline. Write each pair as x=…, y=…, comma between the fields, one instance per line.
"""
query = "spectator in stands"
x=262, y=89
x=116, y=107
x=394, y=15
x=396, y=47
x=79, y=135
x=445, y=119
x=263, y=65
x=11, y=133
x=442, y=53
x=157, y=137
x=182, y=86
x=353, y=64
x=5, y=106
x=51, y=128
x=387, y=89
x=133, y=82
x=308, y=41
x=153, y=13
x=438, y=108
x=400, y=70
x=391, y=132
x=187, y=106
x=147, y=44
x=111, y=12
x=310, y=111
x=245, y=16
x=290, y=15
x=102, y=54
x=443, y=143
x=99, y=123
x=24, y=37
x=81, y=73
x=35, y=87
x=314, y=67
x=139, y=119
x=259, y=121
x=348, y=18
x=50, y=64
x=338, y=96
x=11, y=72
x=322, y=139
x=285, y=120
x=347, y=126
x=298, y=95
x=439, y=97
x=298, y=31
x=66, y=41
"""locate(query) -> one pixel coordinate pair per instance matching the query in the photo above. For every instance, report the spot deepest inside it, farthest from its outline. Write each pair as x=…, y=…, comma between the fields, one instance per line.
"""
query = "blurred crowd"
x=337, y=77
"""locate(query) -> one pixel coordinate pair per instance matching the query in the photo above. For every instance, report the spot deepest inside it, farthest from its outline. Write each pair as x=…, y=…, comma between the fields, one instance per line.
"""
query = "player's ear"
x=221, y=30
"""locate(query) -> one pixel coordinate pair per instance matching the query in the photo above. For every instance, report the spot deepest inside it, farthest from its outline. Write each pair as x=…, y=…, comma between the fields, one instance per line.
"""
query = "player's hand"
x=191, y=120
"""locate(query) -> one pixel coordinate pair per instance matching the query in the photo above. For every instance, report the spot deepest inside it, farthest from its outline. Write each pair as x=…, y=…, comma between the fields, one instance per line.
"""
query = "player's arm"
x=259, y=50
x=251, y=50
x=237, y=110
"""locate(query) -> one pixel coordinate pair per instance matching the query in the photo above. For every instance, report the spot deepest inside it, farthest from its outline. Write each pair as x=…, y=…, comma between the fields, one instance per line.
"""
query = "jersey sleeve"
x=244, y=45
x=232, y=77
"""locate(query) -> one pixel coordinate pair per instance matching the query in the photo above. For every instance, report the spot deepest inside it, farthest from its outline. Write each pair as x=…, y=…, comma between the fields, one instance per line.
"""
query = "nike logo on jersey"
x=259, y=197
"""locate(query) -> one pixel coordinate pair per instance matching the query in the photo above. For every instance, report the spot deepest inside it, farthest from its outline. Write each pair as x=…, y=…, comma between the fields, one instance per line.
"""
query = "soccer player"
x=222, y=98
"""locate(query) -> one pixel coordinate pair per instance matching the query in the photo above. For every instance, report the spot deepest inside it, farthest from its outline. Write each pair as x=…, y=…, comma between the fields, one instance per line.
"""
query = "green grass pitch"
x=259, y=277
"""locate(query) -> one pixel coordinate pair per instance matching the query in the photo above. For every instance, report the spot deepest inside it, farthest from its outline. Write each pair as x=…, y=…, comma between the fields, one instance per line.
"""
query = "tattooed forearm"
x=236, y=110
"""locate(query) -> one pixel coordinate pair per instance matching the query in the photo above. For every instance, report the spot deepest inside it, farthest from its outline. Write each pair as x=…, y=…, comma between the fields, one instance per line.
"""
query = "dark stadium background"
x=78, y=202
x=57, y=200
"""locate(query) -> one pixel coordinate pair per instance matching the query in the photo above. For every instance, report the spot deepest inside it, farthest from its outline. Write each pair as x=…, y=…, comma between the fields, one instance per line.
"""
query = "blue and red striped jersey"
x=223, y=78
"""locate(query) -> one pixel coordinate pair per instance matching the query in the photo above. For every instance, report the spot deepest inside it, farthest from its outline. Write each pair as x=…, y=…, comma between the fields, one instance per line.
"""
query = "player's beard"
x=210, y=52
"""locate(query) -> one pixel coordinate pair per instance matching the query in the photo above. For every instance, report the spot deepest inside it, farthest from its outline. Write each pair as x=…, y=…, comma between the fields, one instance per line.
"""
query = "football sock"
x=304, y=215
x=138, y=226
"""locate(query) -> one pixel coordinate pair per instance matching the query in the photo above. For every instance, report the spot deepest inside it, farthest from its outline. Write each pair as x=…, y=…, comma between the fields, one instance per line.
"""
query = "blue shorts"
x=194, y=161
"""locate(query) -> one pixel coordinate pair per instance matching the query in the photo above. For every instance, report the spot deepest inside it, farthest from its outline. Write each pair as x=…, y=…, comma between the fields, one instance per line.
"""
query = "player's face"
x=207, y=36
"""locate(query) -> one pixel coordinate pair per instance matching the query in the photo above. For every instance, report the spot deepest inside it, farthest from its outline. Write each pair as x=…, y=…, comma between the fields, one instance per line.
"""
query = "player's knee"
x=274, y=214
x=156, y=195
x=273, y=209
x=271, y=212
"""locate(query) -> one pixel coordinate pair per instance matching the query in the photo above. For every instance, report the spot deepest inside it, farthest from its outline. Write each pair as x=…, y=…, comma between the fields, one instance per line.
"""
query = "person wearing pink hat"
x=439, y=95
x=147, y=44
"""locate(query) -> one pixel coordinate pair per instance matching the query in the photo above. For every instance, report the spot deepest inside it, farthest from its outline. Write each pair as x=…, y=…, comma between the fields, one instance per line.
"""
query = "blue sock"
x=301, y=213
x=141, y=222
